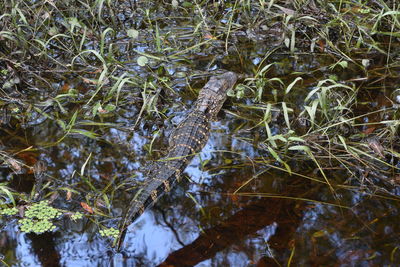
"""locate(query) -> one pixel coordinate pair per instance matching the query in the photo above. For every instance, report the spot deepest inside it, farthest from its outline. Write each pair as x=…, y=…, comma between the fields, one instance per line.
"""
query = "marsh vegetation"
x=302, y=167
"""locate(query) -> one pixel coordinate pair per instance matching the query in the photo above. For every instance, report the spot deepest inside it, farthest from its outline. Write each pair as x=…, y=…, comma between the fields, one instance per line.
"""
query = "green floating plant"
x=42, y=211
x=110, y=232
x=8, y=211
x=76, y=216
x=36, y=226
x=38, y=218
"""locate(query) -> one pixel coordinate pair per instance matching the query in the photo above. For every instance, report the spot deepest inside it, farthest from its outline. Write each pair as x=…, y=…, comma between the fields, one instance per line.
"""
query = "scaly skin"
x=186, y=140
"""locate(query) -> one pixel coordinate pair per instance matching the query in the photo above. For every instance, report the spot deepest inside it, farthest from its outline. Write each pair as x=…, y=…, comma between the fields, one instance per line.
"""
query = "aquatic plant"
x=109, y=232
x=38, y=218
x=8, y=211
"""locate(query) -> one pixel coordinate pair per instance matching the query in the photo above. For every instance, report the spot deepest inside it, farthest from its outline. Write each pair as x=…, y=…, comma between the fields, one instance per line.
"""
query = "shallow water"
x=199, y=222
x=234, y=207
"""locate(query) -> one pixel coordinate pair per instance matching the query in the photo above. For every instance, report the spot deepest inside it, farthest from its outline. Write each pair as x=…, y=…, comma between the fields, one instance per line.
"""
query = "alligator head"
x=213, y=95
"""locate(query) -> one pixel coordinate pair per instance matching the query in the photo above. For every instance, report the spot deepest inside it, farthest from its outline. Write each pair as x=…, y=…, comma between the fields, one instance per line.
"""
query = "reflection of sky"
x=145, y=237
x=24, y=249
x=155, y=242
x=79, y=250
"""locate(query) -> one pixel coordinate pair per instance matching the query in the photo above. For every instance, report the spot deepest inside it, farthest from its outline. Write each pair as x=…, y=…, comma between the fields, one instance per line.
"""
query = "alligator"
x=188, y=139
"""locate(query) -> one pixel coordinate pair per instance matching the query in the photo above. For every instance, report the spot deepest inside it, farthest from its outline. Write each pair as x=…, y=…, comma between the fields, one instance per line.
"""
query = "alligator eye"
x=218, y=85
x=208, y=109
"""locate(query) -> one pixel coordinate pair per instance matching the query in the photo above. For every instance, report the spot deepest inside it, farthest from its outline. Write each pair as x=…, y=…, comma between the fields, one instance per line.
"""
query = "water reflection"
x=248, y=230
x=220, y=229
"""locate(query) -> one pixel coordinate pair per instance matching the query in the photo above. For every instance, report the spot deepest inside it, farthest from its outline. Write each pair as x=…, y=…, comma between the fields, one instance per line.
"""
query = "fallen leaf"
x=209, y=37
x=234, y=198
x=369, y=130
x=69, y=195
x=65, y=88
x=134, y=34
x=89, y=81
x=29, y=158
x=87, y=207
x=15, y=165
x=321, y=44
x=374, y=144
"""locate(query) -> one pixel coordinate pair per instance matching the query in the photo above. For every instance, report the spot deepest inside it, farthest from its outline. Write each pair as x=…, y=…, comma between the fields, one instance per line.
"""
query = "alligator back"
x=185, y=141
x=189, y=138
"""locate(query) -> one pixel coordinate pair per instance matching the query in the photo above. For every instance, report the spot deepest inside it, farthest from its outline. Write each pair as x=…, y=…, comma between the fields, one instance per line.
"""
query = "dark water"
x=288, y=218
x=236, y=208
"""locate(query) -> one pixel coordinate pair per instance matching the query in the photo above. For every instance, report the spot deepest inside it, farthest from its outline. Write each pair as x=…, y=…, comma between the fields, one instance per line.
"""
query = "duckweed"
x=8, y=211
x=110, y=232
x=76, y=216
x=38, y=218
x=36, y=226
x=42, y=211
